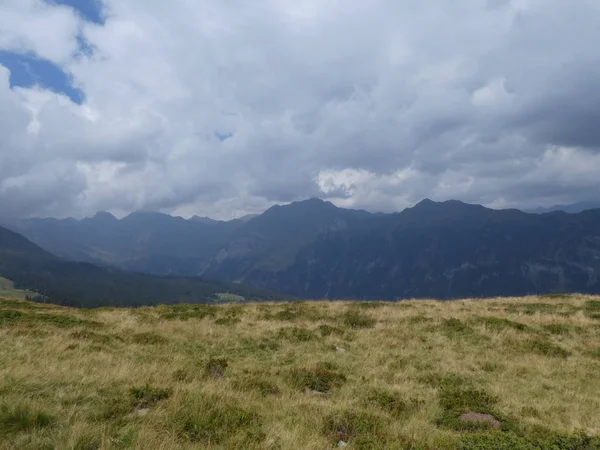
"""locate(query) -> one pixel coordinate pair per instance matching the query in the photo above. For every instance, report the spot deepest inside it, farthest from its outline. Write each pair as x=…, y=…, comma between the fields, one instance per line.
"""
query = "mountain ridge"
x=314, y=249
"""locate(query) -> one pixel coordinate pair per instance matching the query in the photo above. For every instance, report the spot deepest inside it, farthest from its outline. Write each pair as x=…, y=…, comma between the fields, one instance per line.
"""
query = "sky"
x=225, y=107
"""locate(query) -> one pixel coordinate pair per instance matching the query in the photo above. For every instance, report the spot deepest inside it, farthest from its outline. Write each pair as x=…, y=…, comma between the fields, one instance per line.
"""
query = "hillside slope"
x=84, y=284
x=499, y=374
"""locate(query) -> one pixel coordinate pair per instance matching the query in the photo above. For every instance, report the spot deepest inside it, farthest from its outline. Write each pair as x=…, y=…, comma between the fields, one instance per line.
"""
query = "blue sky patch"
x=223, y=136
x=27, y=70
x=90, y=10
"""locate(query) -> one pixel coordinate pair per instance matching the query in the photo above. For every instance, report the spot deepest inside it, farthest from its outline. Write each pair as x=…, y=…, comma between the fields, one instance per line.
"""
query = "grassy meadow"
x=7, y=290
x=517, y=373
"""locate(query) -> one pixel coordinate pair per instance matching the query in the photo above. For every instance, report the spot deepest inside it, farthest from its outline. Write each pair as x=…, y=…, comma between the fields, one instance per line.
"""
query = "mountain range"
x=50, y=278
x=313, y=249
x=571, y=208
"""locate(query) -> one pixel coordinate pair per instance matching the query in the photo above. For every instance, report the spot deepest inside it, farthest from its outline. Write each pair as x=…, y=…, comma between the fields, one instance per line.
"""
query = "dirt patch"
x=483, y=419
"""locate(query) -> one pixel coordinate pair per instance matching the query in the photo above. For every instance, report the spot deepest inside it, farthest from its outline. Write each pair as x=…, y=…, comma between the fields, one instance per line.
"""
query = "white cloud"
x=374, y=105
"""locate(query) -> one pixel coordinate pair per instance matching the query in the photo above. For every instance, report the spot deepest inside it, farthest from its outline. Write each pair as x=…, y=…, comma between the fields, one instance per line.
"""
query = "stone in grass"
x=473, y=417
x=315, y=392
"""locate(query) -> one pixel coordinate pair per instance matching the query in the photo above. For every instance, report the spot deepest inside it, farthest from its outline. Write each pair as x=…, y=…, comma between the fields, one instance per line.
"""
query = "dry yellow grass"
x=300, y=376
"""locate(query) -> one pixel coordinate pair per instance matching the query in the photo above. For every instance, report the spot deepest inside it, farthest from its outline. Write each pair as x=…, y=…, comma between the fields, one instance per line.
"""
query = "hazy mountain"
x=83, y=284
x=572, y=208
x=314, y=249
x=205, y=220
x=141, y=242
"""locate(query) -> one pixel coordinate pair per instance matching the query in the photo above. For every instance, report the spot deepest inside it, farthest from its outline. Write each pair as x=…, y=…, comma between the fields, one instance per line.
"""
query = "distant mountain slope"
x=313, y=249
x=83, y=284
x=572, y=208
x=449, y=251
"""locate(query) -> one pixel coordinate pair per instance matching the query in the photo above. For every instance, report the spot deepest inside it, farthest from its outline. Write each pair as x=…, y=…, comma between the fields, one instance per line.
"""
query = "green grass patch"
x=11, y=303
x=444, y=380
x=456, y=329
x=213, y=421
x=22, y=418
x=498, y=440
x=227, y=321
x=328, y=330
x=563, y=309
x=97, y=338
x=257, y=383
x=544, y=347
x=360, y=429
x=561, y=329
x=183, y=375
x=147, y=396
x=216, y=367
x=295, y=334
x=418, y=319
x=498, y=324
x=118, y=403
x=7, y=289
x=322, y=378
x=370, y=305
x=186, y=312
x=391, y=402
x=149, y=338
x=357, y=320
x=11, y=317
x=456, y=400
x=555, y=296
x=294, y=312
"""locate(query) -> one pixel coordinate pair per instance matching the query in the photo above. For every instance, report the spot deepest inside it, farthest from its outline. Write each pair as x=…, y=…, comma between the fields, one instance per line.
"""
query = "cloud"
x=221, y=108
